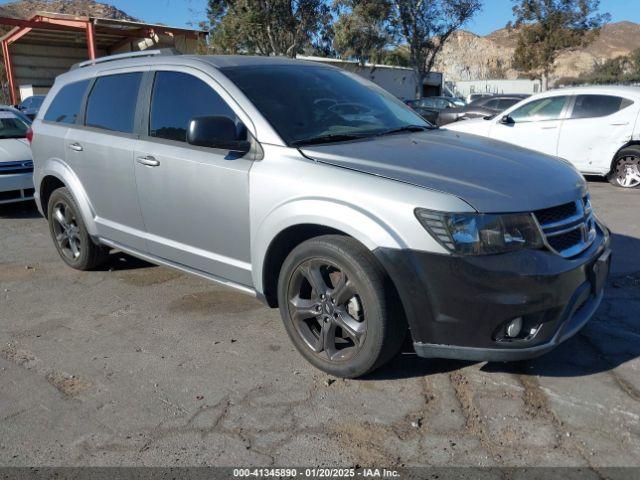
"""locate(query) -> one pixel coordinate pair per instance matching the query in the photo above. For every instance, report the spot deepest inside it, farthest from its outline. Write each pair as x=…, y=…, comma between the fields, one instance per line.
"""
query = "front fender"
x=369, y=230
x=56, y=167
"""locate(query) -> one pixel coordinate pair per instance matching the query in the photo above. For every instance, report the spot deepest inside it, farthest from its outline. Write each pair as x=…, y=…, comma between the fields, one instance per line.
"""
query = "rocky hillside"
x=469, y=56
x=26, y=8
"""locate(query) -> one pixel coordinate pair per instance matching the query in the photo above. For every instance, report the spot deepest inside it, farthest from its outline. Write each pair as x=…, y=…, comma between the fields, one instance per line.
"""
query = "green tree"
x=549, y=27
x=362, y=30
x=268, y=27
x=425, y=26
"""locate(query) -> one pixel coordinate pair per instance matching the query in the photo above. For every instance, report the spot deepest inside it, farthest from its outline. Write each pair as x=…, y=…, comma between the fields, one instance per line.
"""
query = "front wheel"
x=339, y=307
x=626, y=169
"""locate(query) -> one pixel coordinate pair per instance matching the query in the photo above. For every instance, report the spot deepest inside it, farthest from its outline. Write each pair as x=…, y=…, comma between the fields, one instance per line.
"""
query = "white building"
x=464, y=88
x=399, y=81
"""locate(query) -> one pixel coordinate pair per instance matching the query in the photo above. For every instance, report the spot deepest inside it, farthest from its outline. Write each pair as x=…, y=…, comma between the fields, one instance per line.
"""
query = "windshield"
x=307, y=103
x=11, y=126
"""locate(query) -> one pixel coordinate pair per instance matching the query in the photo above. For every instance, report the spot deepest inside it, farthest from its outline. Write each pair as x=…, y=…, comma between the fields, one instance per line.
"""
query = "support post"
x=91, y=40
x=8, y=66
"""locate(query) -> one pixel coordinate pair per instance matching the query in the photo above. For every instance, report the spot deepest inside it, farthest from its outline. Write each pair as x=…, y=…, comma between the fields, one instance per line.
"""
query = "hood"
x=14, y=150
x=491, y=176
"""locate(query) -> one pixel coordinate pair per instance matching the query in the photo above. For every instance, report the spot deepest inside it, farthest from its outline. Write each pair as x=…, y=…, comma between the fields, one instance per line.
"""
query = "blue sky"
x=495, y=14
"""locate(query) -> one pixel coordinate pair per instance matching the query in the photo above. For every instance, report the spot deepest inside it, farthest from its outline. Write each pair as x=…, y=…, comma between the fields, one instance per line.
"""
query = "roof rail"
x=123, y=56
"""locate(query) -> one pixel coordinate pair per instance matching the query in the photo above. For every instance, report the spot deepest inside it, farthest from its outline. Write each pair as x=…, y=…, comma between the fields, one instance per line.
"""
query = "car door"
x=195, y=200
x=100, y=152
x=597, y=127
x=534, y=125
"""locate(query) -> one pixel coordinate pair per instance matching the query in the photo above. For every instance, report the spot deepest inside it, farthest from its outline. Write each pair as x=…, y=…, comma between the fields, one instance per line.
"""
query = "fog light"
x=514, y=327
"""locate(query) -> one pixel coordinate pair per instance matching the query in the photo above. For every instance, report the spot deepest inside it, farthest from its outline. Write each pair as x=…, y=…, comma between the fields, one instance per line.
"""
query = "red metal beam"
x=91, y=41
x=46, y=23
x=21, y=32
x=49, y=23
x=8, y=66
x=17, y=22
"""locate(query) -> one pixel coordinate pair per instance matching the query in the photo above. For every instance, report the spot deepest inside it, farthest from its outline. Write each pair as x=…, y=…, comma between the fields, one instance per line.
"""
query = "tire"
x=358, y=325
x=69, y=233
x=625, y=171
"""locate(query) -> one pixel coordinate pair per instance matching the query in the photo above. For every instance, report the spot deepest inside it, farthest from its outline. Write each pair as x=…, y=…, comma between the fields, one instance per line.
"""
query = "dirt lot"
x=137, y=364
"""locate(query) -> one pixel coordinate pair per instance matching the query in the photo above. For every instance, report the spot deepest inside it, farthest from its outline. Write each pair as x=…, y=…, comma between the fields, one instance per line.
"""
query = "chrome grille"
x=568, y=229
x=24, y=166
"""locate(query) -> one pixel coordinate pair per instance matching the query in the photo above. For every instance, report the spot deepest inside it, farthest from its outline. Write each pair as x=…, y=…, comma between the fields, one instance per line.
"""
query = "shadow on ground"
x=19, y=210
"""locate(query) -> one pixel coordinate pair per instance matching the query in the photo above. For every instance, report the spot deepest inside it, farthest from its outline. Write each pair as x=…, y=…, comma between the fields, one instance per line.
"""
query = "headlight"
x=481, y=234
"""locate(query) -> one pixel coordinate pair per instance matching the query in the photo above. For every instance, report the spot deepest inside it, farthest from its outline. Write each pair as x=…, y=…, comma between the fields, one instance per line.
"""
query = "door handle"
x=148, y=160
x=75, y=146
x=549, y=127
x=620, y=124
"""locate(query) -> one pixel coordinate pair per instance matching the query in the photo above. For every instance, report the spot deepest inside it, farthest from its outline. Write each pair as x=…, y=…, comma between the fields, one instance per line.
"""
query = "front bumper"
x=458, y=306
x=16, y=187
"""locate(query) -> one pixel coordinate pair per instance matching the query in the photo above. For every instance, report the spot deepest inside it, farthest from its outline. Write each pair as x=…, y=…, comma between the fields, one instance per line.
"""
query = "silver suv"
x=323, y=195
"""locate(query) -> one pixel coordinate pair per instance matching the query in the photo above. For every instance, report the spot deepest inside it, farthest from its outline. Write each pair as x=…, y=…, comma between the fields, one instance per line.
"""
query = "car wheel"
x=339, y=307
x=626, y=169
x=69, y=233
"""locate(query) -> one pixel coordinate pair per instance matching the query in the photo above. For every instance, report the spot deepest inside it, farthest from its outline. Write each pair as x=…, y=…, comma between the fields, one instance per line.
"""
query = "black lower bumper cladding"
x=455, y=305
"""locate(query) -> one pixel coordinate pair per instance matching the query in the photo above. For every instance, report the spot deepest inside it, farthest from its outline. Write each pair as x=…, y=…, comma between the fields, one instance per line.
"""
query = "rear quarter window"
x=592, y=106
x=67, y=103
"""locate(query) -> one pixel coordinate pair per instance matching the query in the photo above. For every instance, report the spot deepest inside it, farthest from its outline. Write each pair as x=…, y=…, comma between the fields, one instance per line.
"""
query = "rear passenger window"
x=176, y=99
x=112, y=102
x=66, y=105
x=590, y=106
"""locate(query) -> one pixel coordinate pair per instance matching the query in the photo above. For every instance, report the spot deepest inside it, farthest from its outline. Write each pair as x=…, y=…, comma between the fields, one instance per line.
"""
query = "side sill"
x=167, y=263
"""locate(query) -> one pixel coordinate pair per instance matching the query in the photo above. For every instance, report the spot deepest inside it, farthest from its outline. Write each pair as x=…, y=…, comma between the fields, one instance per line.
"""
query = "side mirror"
x=217, y=132
x=507, y=120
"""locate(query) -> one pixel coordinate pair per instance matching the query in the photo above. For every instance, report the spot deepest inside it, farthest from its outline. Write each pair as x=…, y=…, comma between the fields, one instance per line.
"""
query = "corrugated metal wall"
x=39, y=65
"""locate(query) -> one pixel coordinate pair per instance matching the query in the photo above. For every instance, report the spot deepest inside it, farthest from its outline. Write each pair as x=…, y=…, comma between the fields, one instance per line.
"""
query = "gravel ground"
x=141, y=365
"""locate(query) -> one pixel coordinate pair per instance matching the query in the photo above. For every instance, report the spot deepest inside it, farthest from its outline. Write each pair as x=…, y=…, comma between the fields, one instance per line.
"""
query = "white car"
x=16, y=165
x=595, y=128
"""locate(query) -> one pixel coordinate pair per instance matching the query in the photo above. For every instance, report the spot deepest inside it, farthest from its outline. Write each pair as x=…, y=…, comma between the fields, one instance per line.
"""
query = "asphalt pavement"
x=141, y=365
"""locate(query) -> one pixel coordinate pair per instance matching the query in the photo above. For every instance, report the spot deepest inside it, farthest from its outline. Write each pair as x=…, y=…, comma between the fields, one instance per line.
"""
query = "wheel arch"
x=632, y=143
x=291, y=225
x=56, y=174
x=279, y=249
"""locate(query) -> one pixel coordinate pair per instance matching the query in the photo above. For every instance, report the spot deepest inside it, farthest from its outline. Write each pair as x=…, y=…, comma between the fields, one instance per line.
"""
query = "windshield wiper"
x=408, y=128
x=334, y=137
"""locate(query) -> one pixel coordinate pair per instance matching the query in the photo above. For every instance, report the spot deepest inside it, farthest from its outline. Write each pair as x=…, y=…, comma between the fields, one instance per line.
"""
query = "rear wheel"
x=70, y=234
x=339, y=307
x=626, y=169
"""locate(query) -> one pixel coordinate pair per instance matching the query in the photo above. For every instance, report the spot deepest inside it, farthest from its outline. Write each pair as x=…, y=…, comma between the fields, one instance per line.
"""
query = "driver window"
x=549, y=108
x=176, y=99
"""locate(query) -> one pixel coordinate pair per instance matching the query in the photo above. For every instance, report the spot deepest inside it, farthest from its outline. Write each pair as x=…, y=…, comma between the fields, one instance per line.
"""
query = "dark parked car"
x=476, y=96
x=30, y=106
x=481, y=107
x=430, y=107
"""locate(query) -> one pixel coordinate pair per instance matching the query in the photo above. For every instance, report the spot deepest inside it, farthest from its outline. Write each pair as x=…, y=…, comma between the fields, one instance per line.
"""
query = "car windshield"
x=309, y=104
x=11, y=126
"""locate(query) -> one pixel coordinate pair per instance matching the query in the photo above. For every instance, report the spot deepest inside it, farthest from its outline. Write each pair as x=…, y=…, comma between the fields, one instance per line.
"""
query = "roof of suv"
x=222, y=61
x=216, y=61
